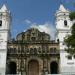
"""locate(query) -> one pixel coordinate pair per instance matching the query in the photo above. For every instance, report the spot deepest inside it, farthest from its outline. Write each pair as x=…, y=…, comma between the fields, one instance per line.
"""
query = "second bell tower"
x=4, y=37
x=63, y=26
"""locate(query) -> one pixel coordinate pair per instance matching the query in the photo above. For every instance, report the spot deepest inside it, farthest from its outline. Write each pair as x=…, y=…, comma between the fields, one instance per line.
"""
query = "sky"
x=38, y=13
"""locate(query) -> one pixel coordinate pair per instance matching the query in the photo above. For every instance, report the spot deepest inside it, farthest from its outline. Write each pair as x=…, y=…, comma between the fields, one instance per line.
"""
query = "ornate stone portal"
x=33, y=53
x=33, y=67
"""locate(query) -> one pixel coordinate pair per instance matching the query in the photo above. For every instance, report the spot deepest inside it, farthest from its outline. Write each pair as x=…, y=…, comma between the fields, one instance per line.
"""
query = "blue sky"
x=27, y=13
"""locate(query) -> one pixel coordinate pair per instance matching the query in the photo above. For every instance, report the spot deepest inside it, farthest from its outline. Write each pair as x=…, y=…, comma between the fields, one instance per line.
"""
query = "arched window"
x=39, y=50
x=74, y=56
x=0, y=23
x=65, y=22
x=33, y=38
x=58, y=40
x=69, y=57
x=55, y=50
x=35, y=51
x=51, y=51
x=27, y=50
x=31, y=51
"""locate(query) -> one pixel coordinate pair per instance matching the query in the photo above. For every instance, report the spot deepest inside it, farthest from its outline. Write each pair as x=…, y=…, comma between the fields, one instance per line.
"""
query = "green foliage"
x=72, y=15
x=73, y=30
x=67, y=41
x=70, y=40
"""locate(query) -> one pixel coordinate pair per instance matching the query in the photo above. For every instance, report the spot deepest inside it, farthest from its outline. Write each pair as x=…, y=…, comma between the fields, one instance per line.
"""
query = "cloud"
x=42, y=28
x=28, y=21
x=47, y=28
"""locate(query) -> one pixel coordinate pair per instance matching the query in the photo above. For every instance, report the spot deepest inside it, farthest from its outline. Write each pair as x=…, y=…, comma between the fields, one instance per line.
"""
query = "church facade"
x=33, y=52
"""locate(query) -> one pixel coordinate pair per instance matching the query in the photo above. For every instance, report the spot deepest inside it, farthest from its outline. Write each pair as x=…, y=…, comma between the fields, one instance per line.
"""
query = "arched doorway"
x=12, y=68
x=54, y=67
x=33, y=67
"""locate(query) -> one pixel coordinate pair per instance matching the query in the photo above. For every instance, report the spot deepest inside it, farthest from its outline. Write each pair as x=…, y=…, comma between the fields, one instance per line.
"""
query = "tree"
x=72, y=15
x=70, y=40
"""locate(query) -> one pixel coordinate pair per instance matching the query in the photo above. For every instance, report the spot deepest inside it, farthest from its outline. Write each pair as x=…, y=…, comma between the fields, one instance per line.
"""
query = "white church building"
x=63, y=27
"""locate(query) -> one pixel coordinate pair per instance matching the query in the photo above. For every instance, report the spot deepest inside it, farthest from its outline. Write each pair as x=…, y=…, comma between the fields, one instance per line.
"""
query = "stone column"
x=45, y=65
x=18, y=68
x=24, y=66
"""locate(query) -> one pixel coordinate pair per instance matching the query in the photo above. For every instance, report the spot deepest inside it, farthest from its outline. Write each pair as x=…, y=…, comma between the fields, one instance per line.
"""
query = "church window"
x=64, y=14
x=43, y=51
x=55, y=50
x=27, y=50
x=69, y=57
x=33, y=38
x=65, y=23
x=47, y=51
x=39, y=50
x=51, y=50
x=31, y=51
x=33, y=34
x=0, y=23
x=35, y=51
x=0, y=15
x=74, y=56
x=57, y=40
x=14, y=50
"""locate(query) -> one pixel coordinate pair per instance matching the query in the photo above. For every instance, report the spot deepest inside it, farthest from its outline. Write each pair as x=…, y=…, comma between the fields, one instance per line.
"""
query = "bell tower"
x=4, y=36
x=63, y=23
x=63, y=27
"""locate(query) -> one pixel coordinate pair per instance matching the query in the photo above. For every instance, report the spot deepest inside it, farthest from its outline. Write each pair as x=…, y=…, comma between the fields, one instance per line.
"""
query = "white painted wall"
x=4, y=33
x=62, y=31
